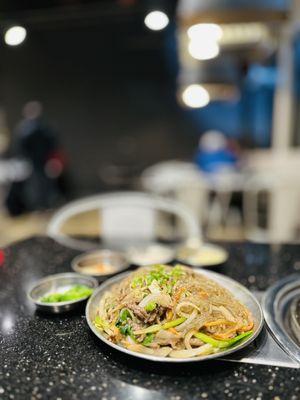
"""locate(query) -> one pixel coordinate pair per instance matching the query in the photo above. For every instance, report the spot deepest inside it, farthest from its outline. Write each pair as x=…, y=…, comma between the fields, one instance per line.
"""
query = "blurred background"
x=195, y=100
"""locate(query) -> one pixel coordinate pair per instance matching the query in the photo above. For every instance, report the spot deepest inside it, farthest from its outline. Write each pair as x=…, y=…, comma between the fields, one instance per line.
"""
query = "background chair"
x=183, y=181
x=124, y=217
x=179, y=180
x=281, y=200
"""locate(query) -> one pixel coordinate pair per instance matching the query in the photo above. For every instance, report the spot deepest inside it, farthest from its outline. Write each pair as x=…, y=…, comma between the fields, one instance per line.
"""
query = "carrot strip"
x=203, y=294
x=169, y=315
x=218, y=322
x=247, y=327
x=178, y=294
x=227, y=334
x=173, y=330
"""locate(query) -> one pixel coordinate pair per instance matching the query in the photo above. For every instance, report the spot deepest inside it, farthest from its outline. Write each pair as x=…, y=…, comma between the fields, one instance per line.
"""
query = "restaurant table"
x=46, y=356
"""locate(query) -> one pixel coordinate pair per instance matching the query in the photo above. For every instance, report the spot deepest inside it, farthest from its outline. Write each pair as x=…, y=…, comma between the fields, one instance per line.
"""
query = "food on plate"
x=76, y=292
x=96, y=267
x=99, y=263
x=174, y=312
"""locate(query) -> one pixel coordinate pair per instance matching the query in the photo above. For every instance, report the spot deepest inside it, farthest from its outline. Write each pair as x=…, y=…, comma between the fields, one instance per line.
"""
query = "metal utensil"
x=240, y=292
x=294, y=318
x=276, y=304
x=59, y=283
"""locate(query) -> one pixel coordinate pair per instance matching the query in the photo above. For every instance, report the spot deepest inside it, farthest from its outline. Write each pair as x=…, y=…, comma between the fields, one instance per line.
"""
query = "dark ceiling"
x=55, y=13
x=21, y=5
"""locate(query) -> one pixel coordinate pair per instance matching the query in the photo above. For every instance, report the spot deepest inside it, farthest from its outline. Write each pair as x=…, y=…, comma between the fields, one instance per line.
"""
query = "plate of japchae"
x=174, y=314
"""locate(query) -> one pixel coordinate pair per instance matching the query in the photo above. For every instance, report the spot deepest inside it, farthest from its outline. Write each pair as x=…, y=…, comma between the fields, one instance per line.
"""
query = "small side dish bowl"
x=153, y=253
x=206, y=255
x=100, y=264
x=59, y=283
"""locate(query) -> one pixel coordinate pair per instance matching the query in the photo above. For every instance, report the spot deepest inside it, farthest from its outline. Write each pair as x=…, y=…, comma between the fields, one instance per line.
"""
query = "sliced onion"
x=185, y=304
x=159, y=298
x=199, y=351
x=162, y=352
x=186, y=323
x=165, y=338
x=154, y=287
x=130, y=340
x=166, y=335
x=187, y=339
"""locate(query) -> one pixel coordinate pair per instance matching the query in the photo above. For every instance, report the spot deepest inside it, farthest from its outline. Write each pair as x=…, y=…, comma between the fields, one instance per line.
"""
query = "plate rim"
x=149, y=357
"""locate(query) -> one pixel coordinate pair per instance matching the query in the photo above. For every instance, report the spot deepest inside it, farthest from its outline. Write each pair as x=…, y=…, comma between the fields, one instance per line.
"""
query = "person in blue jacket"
x=215, y=153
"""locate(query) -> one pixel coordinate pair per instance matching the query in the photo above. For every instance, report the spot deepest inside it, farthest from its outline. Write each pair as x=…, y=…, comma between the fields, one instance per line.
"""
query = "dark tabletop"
x=58, y=357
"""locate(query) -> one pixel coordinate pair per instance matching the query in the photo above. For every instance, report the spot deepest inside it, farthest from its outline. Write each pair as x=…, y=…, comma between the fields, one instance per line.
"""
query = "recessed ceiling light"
x=15, y=35
x=156, y=20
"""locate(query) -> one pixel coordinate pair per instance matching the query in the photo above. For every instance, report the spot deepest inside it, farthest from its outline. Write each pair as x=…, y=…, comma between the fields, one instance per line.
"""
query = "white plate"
x=238, y=290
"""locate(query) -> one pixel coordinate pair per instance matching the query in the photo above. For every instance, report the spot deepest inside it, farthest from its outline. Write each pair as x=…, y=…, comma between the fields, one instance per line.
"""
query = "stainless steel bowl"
x=239, y=291
x=206, y=255
x=59, y=282
x=115, y=260
x=153, y=253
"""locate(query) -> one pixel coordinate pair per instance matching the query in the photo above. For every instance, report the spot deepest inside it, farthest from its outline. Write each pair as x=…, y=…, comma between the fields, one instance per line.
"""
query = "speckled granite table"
x=57, y=357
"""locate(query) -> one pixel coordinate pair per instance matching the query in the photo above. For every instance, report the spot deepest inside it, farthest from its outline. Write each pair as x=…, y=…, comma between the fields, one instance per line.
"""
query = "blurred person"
x=4, y=132
x=216, y=153
x=38, y=144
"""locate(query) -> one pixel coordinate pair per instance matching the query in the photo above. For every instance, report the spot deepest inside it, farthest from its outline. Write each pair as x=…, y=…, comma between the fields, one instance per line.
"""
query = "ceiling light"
x=195, y=96
x=156, y=20
x=203, y=49
x=15, y=35
x=205, y=31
